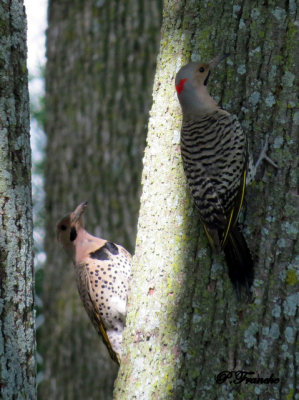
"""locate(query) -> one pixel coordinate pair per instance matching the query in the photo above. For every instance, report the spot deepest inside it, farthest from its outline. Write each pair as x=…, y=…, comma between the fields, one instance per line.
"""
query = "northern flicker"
x=215, y=159
x=102, y=271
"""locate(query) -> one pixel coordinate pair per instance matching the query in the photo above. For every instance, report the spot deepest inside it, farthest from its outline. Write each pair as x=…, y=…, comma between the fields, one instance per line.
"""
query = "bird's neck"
x=83, y=237
x=85, y=243
x=200, y=103
x=205, y=99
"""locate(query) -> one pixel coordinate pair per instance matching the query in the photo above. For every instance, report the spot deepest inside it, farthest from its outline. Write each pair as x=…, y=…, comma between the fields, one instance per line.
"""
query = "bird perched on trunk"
x=215, y=159
x=103, y=270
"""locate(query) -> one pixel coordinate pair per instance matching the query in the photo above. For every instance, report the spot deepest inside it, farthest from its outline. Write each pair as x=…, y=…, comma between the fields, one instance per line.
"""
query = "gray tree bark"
x=99, y=76
x=185, y=325
x=17, y=328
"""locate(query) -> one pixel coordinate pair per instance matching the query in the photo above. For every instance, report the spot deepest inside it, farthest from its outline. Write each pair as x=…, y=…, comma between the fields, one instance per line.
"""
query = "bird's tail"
x=239, y=262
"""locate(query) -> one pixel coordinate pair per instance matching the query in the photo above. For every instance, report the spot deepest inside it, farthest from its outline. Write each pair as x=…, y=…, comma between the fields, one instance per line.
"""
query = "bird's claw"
x=263, y=155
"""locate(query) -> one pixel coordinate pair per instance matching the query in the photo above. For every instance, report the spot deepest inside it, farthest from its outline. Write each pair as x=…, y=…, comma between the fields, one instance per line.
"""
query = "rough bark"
x=17, y=329
x=99, y=76
x=185, y=325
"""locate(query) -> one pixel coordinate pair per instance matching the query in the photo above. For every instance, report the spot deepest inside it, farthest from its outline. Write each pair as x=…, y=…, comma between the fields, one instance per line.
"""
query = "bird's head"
x=69, y=226
x=191, y=86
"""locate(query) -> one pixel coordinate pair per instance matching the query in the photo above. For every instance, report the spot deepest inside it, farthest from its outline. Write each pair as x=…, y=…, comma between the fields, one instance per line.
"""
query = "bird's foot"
x=252, y=169
x=263, y=155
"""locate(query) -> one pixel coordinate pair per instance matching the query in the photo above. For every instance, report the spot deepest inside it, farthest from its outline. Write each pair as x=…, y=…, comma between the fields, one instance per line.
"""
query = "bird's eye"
x=63, y=227
x=201, y=69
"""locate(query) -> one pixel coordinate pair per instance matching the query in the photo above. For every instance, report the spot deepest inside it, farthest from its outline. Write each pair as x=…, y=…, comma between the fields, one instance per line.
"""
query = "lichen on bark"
x=184, y=325
x=17, y=327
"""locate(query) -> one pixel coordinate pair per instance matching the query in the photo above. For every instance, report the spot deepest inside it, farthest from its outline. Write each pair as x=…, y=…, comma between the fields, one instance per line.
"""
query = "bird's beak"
x=213, y=63
x=78, y=212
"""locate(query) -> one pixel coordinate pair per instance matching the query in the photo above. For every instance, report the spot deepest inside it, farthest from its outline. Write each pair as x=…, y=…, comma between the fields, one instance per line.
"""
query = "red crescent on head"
x=180, y=86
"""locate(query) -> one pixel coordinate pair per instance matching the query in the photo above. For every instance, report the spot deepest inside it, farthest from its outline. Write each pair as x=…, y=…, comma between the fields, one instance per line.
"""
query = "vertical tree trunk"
x=17, y=330
x=184, y=325
x=101, y=60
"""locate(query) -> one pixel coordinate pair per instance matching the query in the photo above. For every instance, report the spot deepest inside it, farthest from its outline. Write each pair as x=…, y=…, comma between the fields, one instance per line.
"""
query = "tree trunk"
x=185, y=325
x=99, y=76
x=17, y=329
